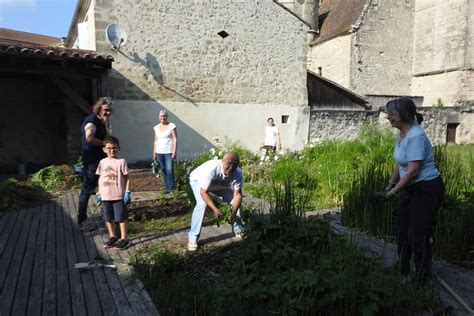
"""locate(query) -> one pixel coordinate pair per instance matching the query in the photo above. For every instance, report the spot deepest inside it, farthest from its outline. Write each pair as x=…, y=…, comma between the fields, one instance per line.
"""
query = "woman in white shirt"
x=272, y=137
x=164, y=148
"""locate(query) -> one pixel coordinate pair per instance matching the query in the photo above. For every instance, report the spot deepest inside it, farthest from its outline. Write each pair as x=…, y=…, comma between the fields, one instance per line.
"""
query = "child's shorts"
x=114, y=211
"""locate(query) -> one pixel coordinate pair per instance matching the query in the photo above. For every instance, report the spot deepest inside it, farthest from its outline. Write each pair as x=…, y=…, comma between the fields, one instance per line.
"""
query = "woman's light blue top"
x=416, y=147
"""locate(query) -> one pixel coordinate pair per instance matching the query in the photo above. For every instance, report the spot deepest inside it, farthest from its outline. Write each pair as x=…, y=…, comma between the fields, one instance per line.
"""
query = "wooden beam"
x=75, y=97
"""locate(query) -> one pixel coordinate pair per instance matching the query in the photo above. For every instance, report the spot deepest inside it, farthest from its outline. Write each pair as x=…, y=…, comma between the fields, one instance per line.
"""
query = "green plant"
x=15, y=194
x=288, y=265
x=56, y=178
x=439, y=103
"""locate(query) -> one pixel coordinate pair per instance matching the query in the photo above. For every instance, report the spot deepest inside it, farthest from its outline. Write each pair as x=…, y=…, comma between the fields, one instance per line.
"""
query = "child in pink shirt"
x=114, y=193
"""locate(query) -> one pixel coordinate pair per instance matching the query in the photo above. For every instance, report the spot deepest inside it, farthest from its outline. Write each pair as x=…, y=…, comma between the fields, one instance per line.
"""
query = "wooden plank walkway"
x=38, y=249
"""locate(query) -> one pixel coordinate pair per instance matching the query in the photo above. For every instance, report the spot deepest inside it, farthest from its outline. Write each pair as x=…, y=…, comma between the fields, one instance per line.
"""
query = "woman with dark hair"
x=272, y=138
x=417, y=181
x=93, y=130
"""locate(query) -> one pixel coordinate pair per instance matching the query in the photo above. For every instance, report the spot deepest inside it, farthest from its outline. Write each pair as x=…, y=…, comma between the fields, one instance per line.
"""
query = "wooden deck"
x=38, y=249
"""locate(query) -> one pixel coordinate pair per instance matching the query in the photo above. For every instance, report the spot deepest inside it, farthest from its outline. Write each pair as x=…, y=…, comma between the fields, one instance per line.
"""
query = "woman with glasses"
x=165, y=147
x=417, y=181
x=93, y=131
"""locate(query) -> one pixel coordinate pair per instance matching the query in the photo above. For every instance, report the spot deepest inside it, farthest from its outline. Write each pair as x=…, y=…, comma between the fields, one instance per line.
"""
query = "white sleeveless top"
x=164, y=140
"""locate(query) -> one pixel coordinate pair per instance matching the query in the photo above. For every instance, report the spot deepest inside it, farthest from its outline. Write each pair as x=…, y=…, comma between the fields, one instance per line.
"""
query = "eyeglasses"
x=106, y=100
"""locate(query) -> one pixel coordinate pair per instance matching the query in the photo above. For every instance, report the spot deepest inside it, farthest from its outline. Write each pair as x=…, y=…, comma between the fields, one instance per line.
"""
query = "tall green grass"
x=453, y=234
x=330, y=166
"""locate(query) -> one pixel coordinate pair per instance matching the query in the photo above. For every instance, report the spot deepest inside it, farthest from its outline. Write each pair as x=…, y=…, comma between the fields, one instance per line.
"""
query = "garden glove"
x=98, y=199
x=384, y=196
x=389, y=186
x=127, y=198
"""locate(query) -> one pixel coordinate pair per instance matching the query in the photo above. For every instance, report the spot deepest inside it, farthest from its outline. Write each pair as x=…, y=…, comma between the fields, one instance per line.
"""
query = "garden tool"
x=155, y=168
x=93, y=264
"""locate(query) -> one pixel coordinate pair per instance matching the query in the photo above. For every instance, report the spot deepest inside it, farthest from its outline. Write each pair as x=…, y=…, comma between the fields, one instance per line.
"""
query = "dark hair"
x=101, y=101
x=111, y=140
x=406, y=108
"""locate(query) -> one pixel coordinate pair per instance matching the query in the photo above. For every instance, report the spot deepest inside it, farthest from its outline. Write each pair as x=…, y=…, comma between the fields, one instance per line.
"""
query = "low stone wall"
x=345, y=125
x=338, y=125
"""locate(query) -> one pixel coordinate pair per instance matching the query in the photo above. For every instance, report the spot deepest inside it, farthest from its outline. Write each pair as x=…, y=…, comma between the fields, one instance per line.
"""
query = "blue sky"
x=46, y=17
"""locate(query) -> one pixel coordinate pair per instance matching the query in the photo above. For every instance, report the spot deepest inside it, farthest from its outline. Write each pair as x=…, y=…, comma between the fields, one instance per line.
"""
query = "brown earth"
x=144, y=180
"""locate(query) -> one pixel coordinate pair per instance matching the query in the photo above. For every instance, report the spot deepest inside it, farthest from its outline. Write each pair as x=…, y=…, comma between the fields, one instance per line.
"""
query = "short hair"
x=270, y=118
x=164, y=112
x=111, y=140
x=406, y=108
x=101, y=101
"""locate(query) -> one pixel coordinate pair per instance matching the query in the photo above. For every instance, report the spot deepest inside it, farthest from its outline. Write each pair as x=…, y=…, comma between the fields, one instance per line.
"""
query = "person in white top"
x=164, y=148
x=224, y=179
x=272, y=138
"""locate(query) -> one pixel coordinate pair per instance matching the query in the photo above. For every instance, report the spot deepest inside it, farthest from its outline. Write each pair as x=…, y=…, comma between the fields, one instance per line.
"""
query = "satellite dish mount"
x=116, y=35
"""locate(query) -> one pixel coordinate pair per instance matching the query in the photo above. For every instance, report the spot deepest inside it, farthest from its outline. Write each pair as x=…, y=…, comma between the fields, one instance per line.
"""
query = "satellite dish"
x=116, y=35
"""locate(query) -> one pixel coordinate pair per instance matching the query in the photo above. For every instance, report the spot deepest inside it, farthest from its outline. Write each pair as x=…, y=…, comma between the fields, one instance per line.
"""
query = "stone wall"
x=435, y=123
x=383, y=49
x=444, y=54
x=174, y=51
x=345, y=125
x=332, y=59
x=338, y=125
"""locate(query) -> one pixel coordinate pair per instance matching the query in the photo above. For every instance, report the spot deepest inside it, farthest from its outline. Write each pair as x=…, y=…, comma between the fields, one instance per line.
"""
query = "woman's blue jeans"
x=166, y=165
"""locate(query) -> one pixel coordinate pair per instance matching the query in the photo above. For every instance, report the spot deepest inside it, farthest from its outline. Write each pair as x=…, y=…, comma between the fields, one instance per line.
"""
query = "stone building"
x=220, y=68
x=382, y=49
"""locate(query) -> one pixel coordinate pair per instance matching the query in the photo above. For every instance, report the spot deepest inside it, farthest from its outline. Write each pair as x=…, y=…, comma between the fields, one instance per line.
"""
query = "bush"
x=54, y=178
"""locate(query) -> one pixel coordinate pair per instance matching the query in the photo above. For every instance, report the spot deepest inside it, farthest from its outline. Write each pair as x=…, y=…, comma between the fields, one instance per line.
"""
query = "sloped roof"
x=351, y=95
x=23, y=44
x=24, y=37
x=339, y=18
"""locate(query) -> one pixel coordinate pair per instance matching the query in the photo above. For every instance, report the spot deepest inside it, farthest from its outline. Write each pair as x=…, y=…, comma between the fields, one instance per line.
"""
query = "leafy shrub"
x=15, y=194
x=55, y=178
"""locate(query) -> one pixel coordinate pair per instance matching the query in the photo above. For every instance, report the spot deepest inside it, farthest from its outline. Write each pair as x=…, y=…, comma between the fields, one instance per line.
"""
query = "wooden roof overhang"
x=19, y=59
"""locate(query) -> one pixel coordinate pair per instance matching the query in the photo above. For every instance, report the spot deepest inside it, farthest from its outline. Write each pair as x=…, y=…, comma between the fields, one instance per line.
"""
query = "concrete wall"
x=333, y=57
x=86, y=33
x=444, y=54
x=383, y=49
x=243, y=124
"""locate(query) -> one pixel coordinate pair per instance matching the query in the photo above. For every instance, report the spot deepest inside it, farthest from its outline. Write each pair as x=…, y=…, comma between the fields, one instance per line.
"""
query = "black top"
x=92, y=154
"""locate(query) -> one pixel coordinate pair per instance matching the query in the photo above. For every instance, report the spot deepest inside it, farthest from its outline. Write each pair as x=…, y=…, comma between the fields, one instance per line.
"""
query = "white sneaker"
x=192, y=245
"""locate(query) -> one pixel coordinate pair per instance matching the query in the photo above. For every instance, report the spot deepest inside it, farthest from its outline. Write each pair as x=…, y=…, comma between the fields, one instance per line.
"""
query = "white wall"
x=244, y=124
x=334, y=58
